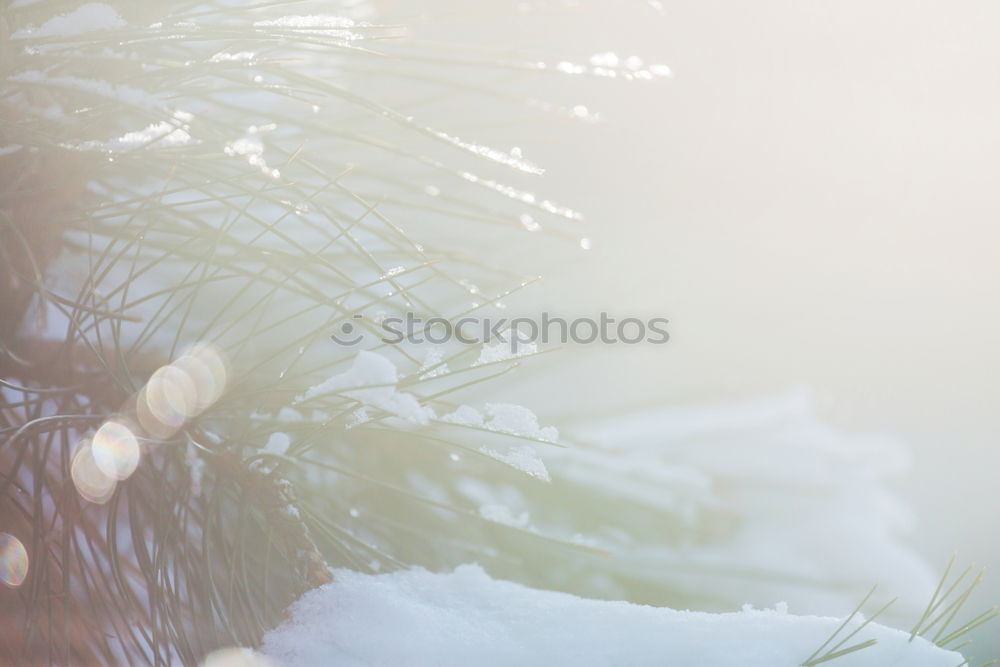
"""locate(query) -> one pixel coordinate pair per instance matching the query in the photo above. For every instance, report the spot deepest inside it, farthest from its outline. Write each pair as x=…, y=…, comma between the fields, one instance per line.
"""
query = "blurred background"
x=811, y=201
x=808, y=199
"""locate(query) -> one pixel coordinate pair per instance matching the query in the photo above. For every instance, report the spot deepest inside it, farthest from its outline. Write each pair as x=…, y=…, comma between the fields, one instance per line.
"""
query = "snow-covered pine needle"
x=136, y=235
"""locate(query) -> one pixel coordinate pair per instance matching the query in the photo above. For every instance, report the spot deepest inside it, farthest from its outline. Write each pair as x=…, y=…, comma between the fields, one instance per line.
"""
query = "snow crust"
x=251, y=148
x=277, y=443
x=88, y=17
x=510, y=419
x=317, y=24
x=507, y=418
x=415, y=618
x=523, y=458
x=164, y=134
x=309, y=21
x=226, y=57
x=490, y=354
x=432, y=366
x=372, y=380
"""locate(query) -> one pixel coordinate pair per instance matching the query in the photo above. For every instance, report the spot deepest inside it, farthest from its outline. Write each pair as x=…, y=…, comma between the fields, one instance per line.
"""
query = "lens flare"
x=116, y=450
x=181, y=390
x=150, y=423
x=90, y=481
x=206, y=368
x=13, y=560
x=170, y=395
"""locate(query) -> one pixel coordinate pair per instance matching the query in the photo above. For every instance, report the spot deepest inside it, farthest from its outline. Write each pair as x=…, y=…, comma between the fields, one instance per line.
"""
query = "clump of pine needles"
x=831, y=651
x=195, y=173
x=945, y=604
x=253, y=180
x=942, y=610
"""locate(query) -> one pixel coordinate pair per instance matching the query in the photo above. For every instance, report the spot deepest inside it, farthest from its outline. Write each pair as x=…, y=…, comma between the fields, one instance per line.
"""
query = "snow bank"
x=415, y=617
x=754, y=501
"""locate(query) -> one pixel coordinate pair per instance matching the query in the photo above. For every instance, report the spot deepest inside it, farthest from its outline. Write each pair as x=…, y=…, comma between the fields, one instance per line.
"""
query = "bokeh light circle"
x=170, y=395
x=116, y=450
x=90, y=481
x=150, y=423
x=213, y=359
x=13, y=560
x=181, y=390
x=206, y=369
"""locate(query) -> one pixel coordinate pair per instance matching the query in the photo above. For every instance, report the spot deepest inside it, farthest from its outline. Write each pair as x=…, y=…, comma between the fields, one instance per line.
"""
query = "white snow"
x=512, y=159
x=394, y=271
x=523, y=458
x=311, y=21
x=490, y=354
x=164, y=134
x=318, y=24
x=277, y=443
x=431, y=366
x=503, y=514
x=372, y=380
x=518, y=420
x=509, y=419
x=522, y=196
x=466, y=415
x=240, y=56
x=609, y=65
x=251, y=148
x=415, y=618
x=287, y=414
x=358, y=417
x=764, y=500
x=504, y=418
x=160, y=134
x=89, y=17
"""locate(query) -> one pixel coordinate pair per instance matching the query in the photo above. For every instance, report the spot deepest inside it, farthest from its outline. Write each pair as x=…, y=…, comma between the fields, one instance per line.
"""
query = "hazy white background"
x=812, y=200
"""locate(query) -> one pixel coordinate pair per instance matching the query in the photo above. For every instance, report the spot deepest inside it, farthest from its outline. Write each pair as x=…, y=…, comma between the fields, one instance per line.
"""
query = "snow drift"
x=415, y=617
